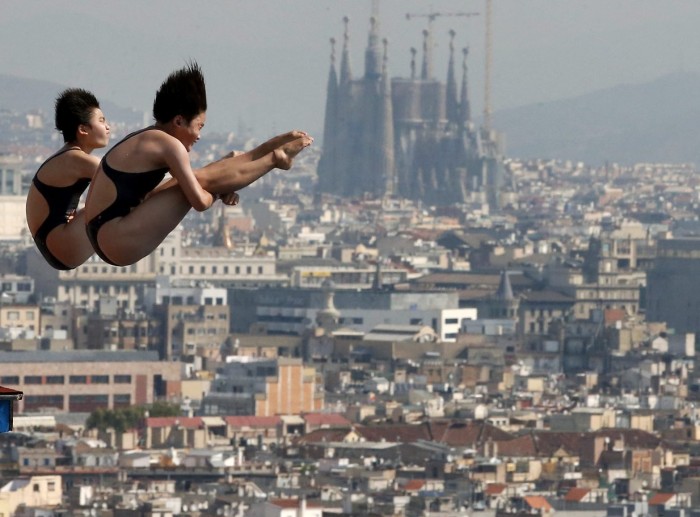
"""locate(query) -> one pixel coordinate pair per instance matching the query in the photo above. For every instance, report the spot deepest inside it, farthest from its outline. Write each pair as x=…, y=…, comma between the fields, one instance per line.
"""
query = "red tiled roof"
x=403, y=433
x=413, y=485
x=466, y=434
x=329, y=419
x=547, y=443
x=170, y=421
x=294, y=503
x=634, y=438
x=538, y=502
x=612, y=315
x=495, y=488
x=575, y=495
x=521, y=447
x=660, y=498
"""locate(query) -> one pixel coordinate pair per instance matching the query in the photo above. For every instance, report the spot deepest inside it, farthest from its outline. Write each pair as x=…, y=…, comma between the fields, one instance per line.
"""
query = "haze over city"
x=437, y=309
x=266, y=62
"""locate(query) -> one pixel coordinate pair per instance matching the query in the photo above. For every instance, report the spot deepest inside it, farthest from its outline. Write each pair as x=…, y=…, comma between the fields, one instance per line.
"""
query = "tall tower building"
x=411, y=137
x=358, y=133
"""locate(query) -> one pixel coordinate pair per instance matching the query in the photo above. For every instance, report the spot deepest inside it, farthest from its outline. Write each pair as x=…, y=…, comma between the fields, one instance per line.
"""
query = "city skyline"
x=572, y=50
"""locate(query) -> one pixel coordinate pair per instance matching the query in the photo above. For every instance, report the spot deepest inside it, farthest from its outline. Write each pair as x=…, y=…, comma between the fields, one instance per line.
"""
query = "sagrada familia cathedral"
x=408, y=137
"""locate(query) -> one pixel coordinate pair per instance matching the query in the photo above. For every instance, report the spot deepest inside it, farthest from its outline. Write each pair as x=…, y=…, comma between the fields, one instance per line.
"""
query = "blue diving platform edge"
x=7, y=401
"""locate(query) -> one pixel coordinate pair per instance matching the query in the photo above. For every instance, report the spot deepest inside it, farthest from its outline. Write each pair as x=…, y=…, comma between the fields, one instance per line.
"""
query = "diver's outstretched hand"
x=230, y=199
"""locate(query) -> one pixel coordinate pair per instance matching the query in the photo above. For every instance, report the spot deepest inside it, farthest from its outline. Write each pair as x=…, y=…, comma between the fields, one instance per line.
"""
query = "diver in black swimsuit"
x=132, y=188
x=55, y=222
x=129, y=211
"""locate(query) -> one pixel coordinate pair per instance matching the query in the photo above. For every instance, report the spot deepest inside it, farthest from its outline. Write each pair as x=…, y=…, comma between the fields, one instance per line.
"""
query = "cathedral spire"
x=465, y=110
x=345, y=73
x=373, y=61
x=427, y=70
x=452, y=106
x=504, y=291
x=413, y=62
x=330, y=128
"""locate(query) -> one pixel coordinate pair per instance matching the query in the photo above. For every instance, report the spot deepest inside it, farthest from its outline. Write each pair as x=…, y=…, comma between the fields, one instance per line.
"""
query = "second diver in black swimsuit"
x=53, y=217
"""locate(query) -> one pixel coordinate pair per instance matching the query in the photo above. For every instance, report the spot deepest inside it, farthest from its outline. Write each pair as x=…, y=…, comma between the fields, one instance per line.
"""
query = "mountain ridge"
x=655, y=121
x=22, y=95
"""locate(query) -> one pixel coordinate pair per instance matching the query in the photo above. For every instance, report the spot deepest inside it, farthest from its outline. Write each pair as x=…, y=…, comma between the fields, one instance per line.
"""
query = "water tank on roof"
x=481, y=412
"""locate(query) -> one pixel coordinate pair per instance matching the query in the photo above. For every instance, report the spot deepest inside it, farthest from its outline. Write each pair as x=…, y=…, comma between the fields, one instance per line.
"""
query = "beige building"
x=295, y=390
x=20, y=319
x=265, y=387
x=217, y=266
x=186, y=328
x=82, y=381
x=13, y=219
x=34, y=491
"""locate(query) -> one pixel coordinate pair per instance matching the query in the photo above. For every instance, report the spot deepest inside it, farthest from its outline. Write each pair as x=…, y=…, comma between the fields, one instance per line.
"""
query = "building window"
x=122, y=400
x=9, y=379
x=99, y=379
x=37, y=402
x=87, y=403
x=122, y=379
x=78, y=379
x=260, y=270
x=55, y=379
x=451, y=321
x=248, y=270
x=33, y=379
x=416, y=321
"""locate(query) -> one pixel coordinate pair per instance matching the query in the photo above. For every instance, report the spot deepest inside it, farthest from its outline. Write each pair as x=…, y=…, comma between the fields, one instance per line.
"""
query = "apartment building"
x=294, y=310
x=19, y=320
x=218, y=266
x=264, y=387
x=82, y=381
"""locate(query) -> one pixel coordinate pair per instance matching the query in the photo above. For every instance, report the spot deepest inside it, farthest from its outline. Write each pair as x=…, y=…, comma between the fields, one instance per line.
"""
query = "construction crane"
x=487, y=67
x=431, y=18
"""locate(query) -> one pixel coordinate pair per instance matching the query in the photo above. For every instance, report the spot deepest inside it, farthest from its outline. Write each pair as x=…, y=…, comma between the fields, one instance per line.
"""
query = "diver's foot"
x=284, y=155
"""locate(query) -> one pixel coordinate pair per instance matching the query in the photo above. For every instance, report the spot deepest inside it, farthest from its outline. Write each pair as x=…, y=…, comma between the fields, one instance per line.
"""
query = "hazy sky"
x=266, y=61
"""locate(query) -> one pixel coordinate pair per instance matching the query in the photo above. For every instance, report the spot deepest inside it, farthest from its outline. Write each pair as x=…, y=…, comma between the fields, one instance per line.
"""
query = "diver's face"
x=97, y=129
x=189, y=132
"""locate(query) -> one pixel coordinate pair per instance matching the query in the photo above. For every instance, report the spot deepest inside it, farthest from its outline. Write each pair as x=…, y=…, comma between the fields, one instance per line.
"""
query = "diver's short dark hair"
x=182, y=93
x=74, y=106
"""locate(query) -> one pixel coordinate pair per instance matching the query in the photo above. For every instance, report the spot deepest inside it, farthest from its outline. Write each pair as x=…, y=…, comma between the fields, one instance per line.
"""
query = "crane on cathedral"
x=431, y=18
